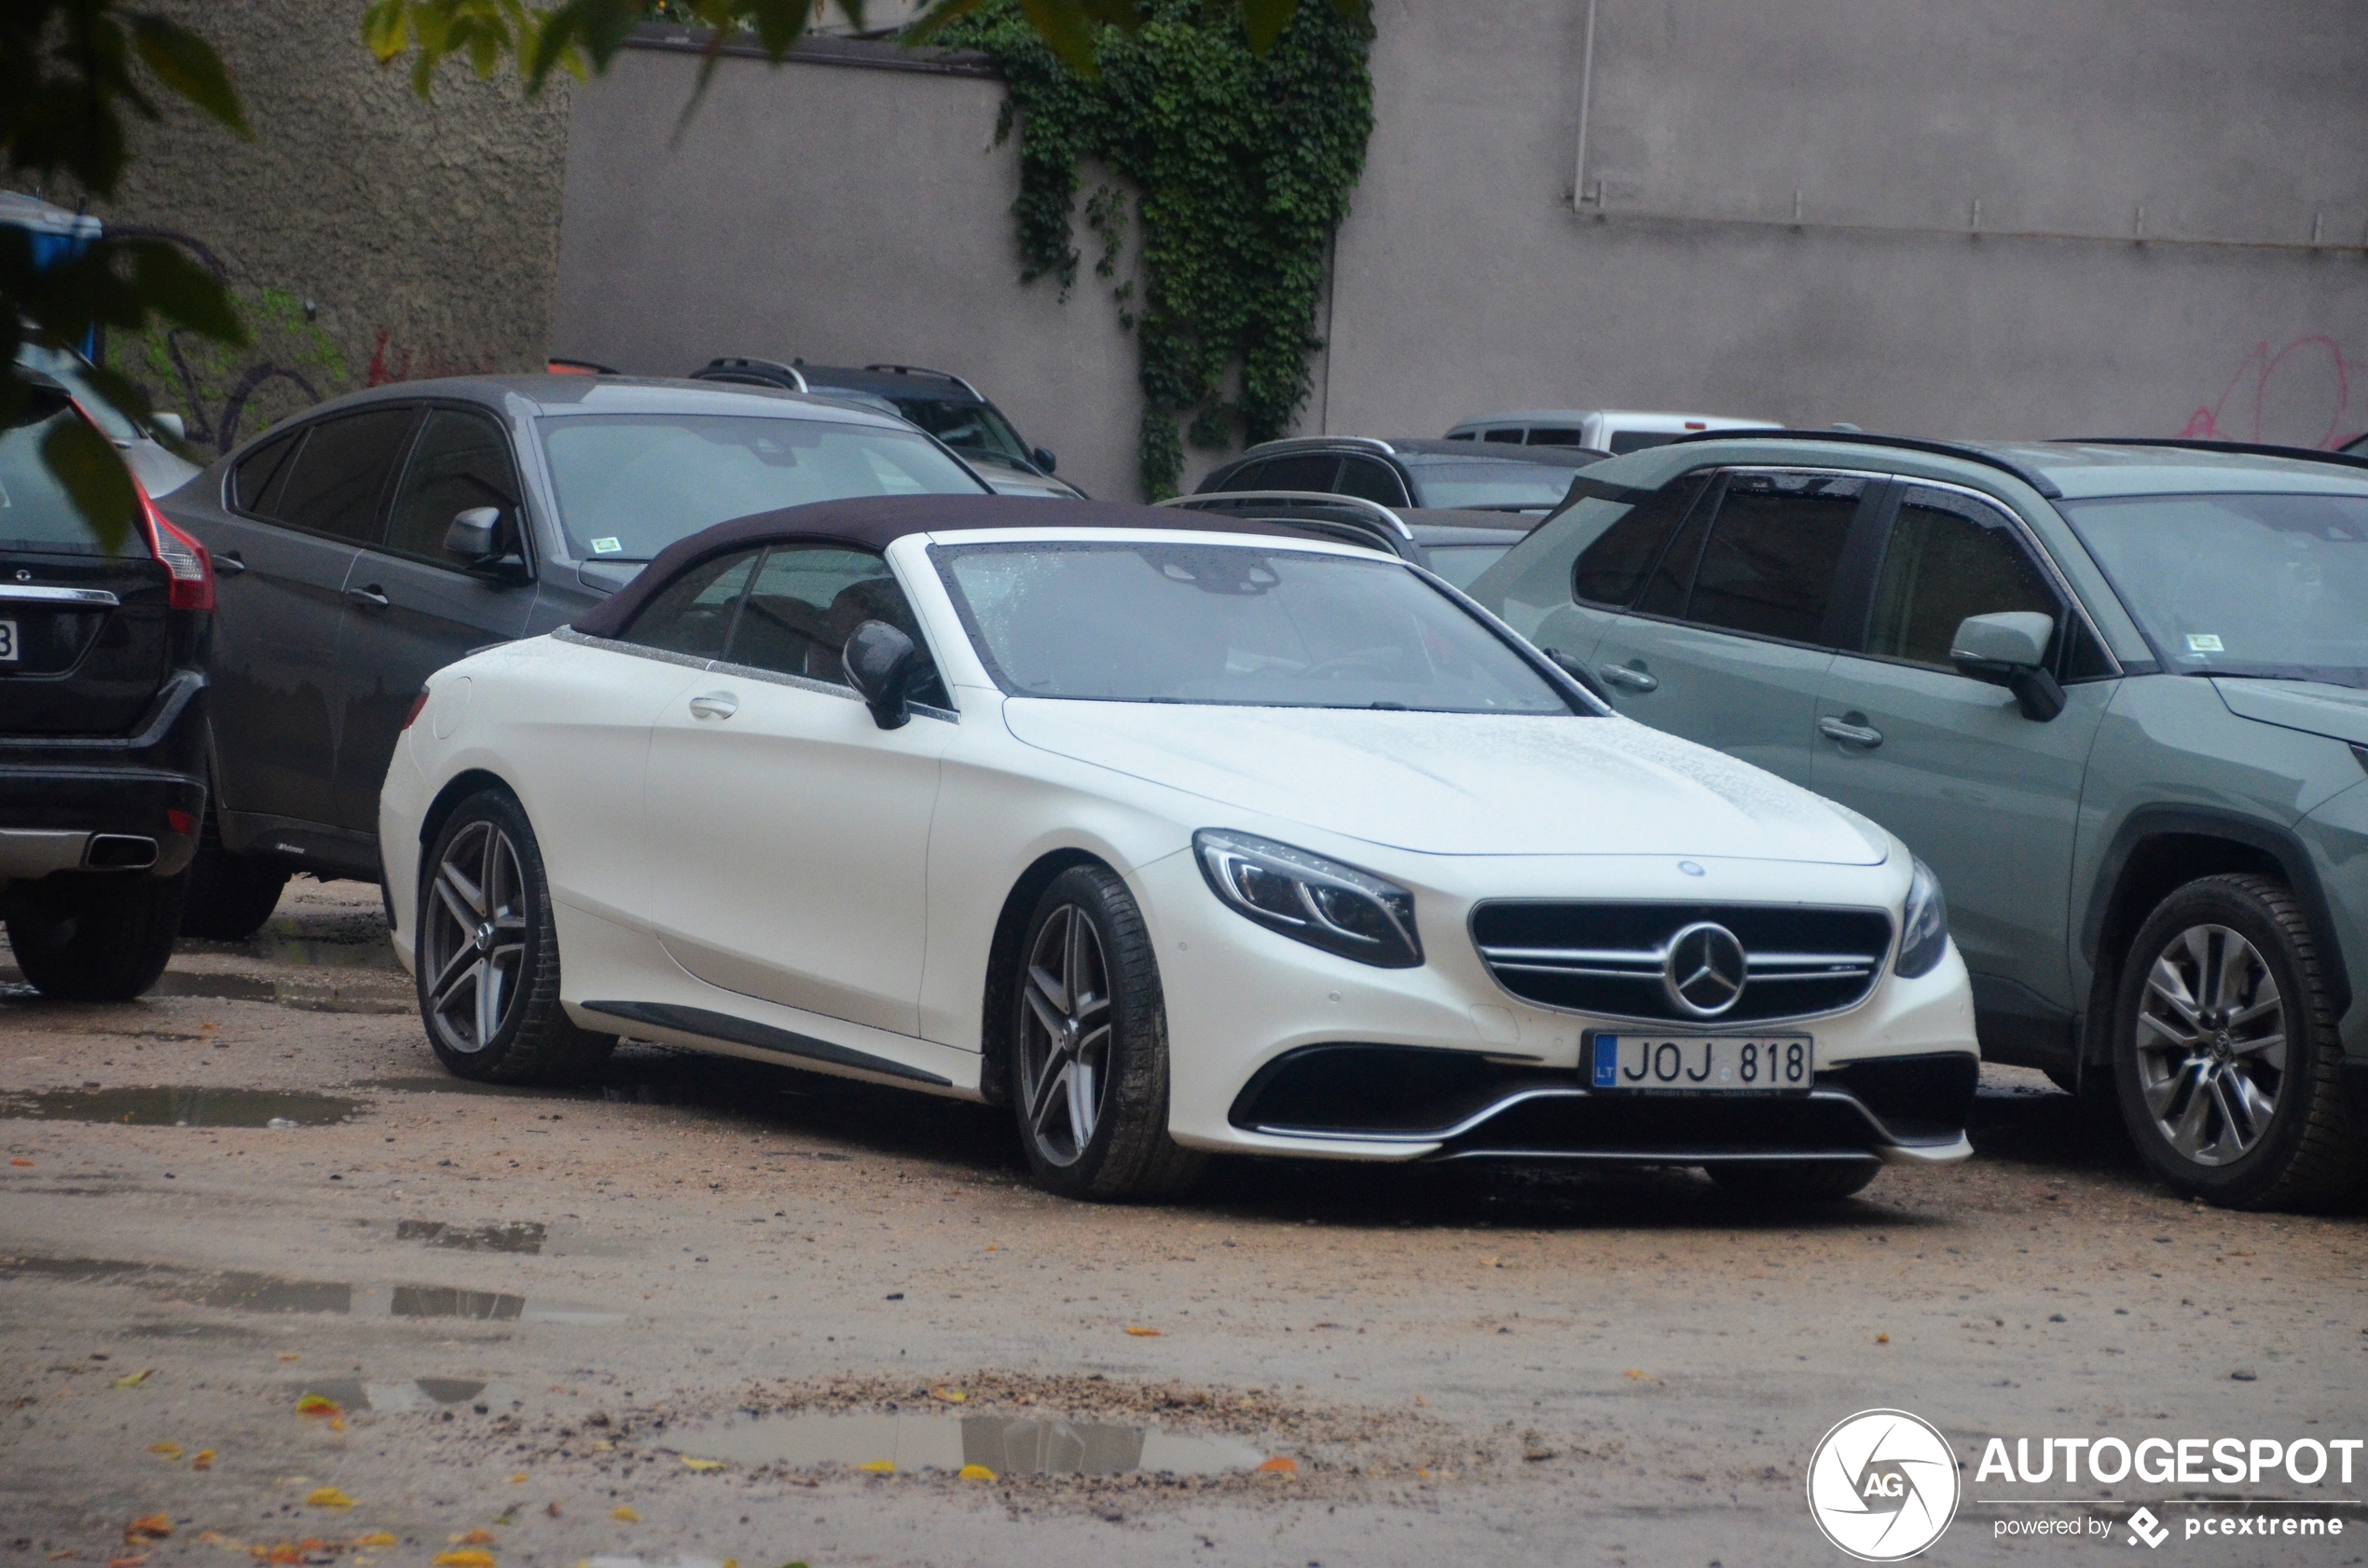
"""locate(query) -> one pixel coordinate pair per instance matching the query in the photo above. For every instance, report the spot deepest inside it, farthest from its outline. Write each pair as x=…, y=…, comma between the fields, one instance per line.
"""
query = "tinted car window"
x=1773, y=552
x=967, y=427
x=1370, y=480
x=1626, y=441
x=36, y=513
x=1301, y=471
x=804, y=601
x=251, y=480
x=1514, y=436
x=1611, y=570
x=335, y=484
x=1948, y=559
x=460, y=460
x=1556, y=435
x=693, y=614
x=1665, y=590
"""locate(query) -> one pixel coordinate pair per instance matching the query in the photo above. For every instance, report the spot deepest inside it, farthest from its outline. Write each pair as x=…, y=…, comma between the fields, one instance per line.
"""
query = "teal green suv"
x=2113, y=694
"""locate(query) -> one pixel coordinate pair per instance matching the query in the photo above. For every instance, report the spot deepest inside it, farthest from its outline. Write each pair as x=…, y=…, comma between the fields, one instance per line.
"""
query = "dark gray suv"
x=385, y=534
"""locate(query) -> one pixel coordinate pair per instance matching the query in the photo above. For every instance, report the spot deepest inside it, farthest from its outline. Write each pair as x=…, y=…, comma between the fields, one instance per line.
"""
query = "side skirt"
x=711, y=1029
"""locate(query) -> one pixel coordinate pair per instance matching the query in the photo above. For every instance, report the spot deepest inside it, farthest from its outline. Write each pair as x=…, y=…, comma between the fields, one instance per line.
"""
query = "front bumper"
x=1275, y=1047
x=120, y=804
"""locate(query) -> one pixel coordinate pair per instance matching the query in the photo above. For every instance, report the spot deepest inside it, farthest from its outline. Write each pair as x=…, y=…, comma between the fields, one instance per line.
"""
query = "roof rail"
x=2194, y=444
x=736, y=362
x=1959, y=450
x=1312, y=443
x=1372, y=510
x=925, y=370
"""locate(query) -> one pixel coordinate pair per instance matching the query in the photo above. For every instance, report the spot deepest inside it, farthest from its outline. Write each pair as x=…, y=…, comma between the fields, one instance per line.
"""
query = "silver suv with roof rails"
x=2115, y=693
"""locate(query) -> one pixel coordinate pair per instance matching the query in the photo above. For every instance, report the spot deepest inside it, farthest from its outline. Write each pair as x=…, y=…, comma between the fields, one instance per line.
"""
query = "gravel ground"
x=534, y=1309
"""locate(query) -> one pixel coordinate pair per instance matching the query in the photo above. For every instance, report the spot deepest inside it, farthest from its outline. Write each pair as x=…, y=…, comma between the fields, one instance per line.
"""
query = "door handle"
x=369, y=596
x=714, y=705
x=1854, y=735
x=230, y=565
x=1634, y=679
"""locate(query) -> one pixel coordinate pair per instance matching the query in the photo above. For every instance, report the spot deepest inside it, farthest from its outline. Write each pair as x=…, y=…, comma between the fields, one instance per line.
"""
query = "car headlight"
x=1304, y=895
x=1923, y=926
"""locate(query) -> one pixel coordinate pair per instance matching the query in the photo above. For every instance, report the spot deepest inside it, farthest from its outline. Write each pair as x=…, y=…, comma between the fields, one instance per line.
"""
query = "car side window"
x=1300, y=471
x=336, y=482
x=460, y=460
x=1609, y=572
x=253, y=480
x=1774, y=551
x=1370, y=480
x=693, y=614
x=1556, y=435
x=1512, y=436
x=1948, y=557
x=806, y=601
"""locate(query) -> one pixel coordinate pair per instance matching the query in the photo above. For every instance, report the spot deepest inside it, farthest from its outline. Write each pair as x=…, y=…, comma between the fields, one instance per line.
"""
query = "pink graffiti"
x=2304, y=387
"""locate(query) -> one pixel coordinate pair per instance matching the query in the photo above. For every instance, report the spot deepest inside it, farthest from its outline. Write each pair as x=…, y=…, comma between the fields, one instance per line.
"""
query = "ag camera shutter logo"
x=1882, y=1485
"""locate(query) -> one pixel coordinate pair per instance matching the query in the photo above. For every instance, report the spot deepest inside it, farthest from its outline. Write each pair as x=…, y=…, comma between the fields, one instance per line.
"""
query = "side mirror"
x=476, y=534
x=2010, y=650
x=1045, y=460
x=880, y=664
x=171, y=424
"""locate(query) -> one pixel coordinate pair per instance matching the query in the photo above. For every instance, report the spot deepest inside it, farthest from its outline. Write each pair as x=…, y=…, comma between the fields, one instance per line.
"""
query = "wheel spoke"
x=2172, y=987
x=1073, y=963
x=472, y=896
x=2256, y=1107
x=2163, y=1093
x=488, y=1015
x=489, y=872
x=2269, y=1048
x=2236, y=1133
x=2236, y=959
x=1080, y=1104
x=2199, y=944
x=1047, y=1016
x=1049, y=1094
x=2162, y=1026
x=2189, y=1133
x=448, y=981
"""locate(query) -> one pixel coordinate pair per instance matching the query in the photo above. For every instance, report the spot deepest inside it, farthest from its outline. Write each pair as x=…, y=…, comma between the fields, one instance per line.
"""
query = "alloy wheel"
x=475, y=937
x=2211, y=1044
x=1065, y=1035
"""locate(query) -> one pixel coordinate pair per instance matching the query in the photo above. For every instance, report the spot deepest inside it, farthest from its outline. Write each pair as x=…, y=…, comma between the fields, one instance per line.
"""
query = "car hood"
x=2337, y=712
x=1459, y=783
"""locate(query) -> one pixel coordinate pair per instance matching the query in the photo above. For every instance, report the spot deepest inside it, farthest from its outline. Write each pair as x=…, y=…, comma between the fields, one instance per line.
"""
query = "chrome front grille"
x=1613, y=960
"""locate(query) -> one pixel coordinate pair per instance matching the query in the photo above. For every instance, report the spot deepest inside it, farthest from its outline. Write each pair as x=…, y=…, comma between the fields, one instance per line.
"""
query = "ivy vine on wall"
x=1240, y=164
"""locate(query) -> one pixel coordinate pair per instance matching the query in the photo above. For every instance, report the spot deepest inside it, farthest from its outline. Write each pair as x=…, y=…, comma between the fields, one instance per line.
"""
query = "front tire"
x=487, y=963
x=230, y=896
x=97, y=937
x=2224, y=1049
x=1089, y=1047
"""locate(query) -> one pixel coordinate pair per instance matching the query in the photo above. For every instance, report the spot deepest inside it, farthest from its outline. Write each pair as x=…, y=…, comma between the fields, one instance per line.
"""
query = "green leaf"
x=1264, y=20
x=1068, y=29
x=386, y=28
x=95, y=480
x=187, y=64
x=177, y=288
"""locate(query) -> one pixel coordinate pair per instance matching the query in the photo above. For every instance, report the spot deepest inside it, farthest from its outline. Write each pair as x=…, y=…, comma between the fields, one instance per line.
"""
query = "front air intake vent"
x=1701, y=966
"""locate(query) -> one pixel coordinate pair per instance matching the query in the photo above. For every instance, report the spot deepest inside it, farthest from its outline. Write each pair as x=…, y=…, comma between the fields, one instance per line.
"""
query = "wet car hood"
x=2337, y=712
x=1459, y=783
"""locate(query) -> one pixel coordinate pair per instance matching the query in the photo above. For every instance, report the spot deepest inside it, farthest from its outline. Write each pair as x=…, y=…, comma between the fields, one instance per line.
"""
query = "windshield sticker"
x=2197, y=642
x=611, y=546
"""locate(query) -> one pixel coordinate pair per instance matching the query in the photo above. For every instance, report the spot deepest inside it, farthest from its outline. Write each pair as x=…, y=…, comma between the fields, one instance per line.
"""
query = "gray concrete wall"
x=367, y=236
x=1465, y=280
x=844, y=214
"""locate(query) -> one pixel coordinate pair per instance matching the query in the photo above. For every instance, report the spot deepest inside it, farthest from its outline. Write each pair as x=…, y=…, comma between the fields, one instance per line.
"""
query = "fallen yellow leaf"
x=171, y=1450
x=1491, y=1262
x=26, y=1164
x=691, y=1463
x=375, y=1538
x=975, y=1473
x=140, y=1531
x=948, y=1395
x=133, y=1379
x=327, y=1497
x=215, y=1538
x=1142, y=1333
x=879, y=1467
x=463, y=1560
x=1882, y=1339
x=518, y=1479
x=1281, y=1466
x=316, y=1405
x=473, y=1538
x=1633, y=1375
x=201, y=1460
x=628, y=1515
x=289, y=1355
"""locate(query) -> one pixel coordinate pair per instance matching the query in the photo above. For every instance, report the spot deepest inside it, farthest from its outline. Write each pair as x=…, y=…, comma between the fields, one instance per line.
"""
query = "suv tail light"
x=411, y=713
x=192, y=569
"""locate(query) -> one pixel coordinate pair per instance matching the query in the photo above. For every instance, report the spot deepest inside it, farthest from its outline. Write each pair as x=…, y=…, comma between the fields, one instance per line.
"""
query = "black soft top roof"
x=875, y=522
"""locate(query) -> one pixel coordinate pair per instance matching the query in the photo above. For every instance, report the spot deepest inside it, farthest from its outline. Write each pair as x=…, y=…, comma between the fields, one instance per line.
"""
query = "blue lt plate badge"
x=1607, y=1061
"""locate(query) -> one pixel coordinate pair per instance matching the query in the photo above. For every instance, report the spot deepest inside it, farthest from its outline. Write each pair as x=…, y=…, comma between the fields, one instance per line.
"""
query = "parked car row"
x=1302, y=815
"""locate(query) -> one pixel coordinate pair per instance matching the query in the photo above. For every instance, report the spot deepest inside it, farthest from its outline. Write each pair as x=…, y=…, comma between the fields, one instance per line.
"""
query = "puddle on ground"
x=1007, y=1445
x=526, y=1235
x=180, y=1105
x=413, y=1393
x=272, y=1293
x=283, y=947
x=365, y=992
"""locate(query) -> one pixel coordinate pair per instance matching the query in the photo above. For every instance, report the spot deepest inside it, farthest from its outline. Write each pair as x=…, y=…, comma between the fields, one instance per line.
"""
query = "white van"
x=1615, y=430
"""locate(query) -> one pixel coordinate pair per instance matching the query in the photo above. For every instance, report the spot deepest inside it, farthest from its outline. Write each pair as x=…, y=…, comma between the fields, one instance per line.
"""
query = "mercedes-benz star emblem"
x=1704, y=973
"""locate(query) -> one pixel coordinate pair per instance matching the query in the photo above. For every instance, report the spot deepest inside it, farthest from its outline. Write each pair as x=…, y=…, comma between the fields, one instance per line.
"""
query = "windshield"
x=67, y=370
x=2269, y=586
x=1485, y=484
x=630, y=484
x=1222, y=624
x=968, y=428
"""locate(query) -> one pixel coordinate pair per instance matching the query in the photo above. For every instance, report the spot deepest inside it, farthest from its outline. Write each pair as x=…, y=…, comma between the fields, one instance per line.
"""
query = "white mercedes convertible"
x=1177, y=836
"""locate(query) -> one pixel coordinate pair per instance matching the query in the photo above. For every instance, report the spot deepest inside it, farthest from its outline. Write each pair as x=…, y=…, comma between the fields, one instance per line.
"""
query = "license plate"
x=1702, y=1065
x=7, y=643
